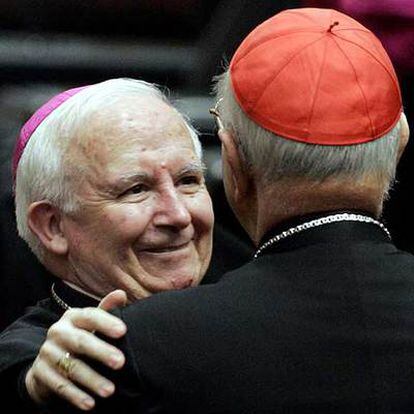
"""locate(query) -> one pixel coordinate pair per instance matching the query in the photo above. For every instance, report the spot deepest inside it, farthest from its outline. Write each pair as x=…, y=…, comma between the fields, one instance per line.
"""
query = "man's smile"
x=170, y=248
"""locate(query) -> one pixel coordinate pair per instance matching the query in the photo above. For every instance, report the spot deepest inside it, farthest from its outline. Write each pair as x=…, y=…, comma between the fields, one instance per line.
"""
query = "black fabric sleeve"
x=19, y=346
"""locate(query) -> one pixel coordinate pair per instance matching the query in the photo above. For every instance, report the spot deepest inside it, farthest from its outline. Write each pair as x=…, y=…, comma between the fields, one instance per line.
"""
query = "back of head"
x=311, y=94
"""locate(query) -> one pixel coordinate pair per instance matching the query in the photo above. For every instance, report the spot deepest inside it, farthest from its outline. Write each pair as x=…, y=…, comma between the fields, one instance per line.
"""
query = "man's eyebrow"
x=193, y=167
x=130, y=178
x=133, y=177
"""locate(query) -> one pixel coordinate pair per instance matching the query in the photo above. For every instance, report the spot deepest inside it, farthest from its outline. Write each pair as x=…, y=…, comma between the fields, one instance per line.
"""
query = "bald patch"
x=134, y=122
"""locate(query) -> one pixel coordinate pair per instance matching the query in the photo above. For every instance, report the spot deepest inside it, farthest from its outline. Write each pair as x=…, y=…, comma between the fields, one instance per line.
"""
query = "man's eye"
x=190, y=180
x=136, y=189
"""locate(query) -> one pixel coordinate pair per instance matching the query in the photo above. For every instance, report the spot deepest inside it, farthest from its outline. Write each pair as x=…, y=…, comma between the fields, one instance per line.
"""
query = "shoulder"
x=169, y=319
x=23, y=338
x=169, y=312
x=168, y=305
x=41, y=315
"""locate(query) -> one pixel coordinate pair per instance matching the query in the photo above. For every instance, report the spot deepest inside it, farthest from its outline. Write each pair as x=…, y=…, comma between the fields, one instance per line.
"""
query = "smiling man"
x=110, y=194
x=145, y=222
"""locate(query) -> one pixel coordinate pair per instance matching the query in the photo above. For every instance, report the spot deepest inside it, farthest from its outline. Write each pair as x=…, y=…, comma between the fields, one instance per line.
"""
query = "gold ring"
x=66, y=364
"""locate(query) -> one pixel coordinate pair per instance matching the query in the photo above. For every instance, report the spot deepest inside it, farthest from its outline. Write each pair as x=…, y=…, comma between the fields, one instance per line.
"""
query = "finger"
x=47, y=378
x=115, y=299
x=82, y=374
x=76, y=370
x=94, y=319
x=81, y=342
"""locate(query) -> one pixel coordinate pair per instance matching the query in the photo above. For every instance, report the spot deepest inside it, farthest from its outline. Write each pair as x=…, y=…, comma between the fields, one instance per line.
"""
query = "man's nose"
x=171, y=210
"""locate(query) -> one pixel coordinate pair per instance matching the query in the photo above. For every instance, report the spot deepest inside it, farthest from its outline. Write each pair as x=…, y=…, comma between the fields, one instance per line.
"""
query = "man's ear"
x=44, y=220
x=404, y=134
x=236, y=167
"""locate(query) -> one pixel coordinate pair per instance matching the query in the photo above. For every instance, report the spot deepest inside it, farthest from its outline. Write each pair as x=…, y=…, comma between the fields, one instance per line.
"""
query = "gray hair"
x=276, y=158
x=42, y=173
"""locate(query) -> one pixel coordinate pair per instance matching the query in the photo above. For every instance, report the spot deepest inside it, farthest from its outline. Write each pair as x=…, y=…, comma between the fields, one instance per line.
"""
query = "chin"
x=180, y=279
x=183, y=282
x=161, y=280
x=171, y=271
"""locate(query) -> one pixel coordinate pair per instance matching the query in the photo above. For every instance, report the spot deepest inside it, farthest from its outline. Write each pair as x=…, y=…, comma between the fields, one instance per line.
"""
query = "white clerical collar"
x=77, y=288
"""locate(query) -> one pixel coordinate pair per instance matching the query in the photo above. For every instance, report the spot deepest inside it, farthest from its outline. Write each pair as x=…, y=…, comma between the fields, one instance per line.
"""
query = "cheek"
x=201, y=210
x=127, y=222
x=111, y=226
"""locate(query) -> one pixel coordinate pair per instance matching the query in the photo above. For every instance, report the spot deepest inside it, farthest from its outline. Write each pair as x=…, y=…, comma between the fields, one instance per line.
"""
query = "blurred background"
x=47, y=46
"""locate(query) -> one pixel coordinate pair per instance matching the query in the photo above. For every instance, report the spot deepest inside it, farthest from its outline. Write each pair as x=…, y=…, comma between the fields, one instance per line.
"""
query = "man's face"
x=145, y=222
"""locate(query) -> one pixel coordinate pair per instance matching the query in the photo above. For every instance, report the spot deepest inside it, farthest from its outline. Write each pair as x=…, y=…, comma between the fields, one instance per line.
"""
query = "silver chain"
x=58, y=300
x=334, y=218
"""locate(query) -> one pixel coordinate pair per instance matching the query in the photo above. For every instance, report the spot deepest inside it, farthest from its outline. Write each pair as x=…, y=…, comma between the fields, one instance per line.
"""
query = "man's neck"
x=77, y=288
x=285, y=202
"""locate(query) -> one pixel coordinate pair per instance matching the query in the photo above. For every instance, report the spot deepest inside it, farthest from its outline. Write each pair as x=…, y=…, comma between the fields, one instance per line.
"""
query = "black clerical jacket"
x=321, y=322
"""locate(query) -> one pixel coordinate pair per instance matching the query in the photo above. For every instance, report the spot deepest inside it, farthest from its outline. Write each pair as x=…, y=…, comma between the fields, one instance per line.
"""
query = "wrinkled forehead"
x=144, y=122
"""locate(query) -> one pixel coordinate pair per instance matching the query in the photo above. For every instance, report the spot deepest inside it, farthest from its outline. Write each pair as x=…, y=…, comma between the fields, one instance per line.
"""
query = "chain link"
x=334, y=218
x=58, y=300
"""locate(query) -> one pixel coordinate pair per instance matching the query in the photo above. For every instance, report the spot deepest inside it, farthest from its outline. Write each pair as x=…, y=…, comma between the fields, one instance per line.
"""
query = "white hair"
x=42, y=174
x=276, y=158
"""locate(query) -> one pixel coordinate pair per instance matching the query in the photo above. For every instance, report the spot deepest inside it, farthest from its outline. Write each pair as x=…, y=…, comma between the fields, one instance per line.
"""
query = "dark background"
x=47, y=46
